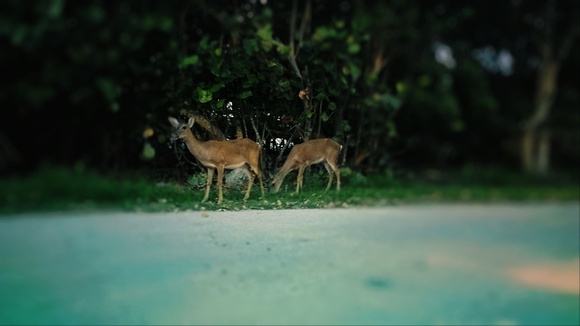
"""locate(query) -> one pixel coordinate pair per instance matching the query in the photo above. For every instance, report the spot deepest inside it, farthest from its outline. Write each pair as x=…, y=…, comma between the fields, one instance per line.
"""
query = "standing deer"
x=308, y=153
x=220, y=155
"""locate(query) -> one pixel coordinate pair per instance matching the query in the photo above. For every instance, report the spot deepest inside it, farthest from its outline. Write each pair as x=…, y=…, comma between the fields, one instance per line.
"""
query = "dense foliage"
x=399, y=83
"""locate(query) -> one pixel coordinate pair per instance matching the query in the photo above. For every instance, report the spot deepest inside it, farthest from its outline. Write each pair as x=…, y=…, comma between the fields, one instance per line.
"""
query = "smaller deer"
x=220, y=155
x=308, y=153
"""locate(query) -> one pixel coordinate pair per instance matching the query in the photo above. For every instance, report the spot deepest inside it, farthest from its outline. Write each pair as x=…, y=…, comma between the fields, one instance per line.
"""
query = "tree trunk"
x=308, y=122
x=535, y=146
x=239, y=132
x=543, y=158
x=527, y=150
x=306, y=97
x=358, y=151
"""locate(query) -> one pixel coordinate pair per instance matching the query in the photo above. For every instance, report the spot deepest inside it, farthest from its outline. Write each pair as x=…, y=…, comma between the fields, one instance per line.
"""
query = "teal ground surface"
x=428, y=264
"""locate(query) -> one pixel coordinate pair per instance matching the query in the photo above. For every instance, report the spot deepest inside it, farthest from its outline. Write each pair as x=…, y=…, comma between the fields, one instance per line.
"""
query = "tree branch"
x=292, y=54
x=213, y=130
x=258, y=136
x=306, y=17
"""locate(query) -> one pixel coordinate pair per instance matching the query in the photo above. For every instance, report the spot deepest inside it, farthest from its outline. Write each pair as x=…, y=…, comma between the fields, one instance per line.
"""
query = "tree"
x=539, y=37
x=362, y=72
x=553, y=43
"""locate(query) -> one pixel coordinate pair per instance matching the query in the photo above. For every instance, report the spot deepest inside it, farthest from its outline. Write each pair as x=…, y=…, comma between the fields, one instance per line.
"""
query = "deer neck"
x=194, y=145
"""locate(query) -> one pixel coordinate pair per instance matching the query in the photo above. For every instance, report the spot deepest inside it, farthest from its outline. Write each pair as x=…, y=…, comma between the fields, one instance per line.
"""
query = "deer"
x=220, y=155
x=315, y=151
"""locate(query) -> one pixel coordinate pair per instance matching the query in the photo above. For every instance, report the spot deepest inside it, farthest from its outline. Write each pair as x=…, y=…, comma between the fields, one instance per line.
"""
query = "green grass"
x=56, y=189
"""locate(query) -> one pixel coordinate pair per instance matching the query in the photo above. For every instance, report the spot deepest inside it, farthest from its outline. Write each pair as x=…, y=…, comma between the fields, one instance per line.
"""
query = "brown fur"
x=221, y=155
x=324, y=150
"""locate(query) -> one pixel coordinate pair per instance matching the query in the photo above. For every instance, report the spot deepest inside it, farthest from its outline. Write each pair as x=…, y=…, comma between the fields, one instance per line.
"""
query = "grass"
x=57, y=189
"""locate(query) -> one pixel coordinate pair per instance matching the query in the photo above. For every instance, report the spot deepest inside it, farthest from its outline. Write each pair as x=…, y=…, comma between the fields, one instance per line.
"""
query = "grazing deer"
x=220, y=155
x=308, y=153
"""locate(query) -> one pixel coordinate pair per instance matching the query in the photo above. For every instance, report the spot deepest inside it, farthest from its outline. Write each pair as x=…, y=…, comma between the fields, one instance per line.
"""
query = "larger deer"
x=220, y=155
x=324, y=150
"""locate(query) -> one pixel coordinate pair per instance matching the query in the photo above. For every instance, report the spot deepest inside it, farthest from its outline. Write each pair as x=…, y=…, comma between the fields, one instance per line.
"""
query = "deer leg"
x=208, y=184
x=337, y=173
x=250, y=183
x=256, y=171
x=220, y=181
x=299, y=179
x=302, y=178
x=330, y=175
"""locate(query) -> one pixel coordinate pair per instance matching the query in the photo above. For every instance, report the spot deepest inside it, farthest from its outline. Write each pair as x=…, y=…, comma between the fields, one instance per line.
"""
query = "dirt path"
x=501, y=264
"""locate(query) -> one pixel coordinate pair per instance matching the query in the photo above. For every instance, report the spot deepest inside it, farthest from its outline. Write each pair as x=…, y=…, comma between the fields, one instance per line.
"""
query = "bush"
x=354, y=178
x=197, y=180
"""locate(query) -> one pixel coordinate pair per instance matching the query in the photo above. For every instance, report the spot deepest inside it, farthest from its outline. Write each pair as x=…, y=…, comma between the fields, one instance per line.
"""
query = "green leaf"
x=345, y=126
x=353, y=48
x=282, y=48
x=94, y=13
x=392, y=101
x=321, y=96
x=265, y=35
x=424, y=80
x=216, y=87
x=323, y=32
x=165, y=23
x=250, y=46
x=276, y=67
x=401, y=87
x=457, y=125
x=354, y=71
x=203, y=96
x=191, y=60
x=265, y=32
x=148, y=152
x=284, y=84
x=55, y=8
x=204, y=43
x=110, y=90
x=391, y=129
x=245, y=94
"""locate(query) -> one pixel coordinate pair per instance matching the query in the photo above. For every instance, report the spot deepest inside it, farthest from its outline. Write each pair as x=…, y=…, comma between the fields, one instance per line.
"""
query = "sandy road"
x=500, y=264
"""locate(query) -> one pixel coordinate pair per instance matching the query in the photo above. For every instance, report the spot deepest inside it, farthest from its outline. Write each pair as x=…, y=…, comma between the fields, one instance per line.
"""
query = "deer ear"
x=173, y=122
x=190, y=122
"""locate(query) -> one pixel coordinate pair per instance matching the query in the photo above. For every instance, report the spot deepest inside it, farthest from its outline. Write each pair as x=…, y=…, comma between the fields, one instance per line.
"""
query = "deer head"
x=180, y=129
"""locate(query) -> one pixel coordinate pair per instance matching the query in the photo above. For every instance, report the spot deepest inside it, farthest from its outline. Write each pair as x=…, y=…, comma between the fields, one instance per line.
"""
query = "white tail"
x=220, y=155
x=324, y=150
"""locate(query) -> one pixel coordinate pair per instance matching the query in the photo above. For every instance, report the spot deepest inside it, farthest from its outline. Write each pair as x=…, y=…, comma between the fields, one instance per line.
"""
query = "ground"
x=486, y=264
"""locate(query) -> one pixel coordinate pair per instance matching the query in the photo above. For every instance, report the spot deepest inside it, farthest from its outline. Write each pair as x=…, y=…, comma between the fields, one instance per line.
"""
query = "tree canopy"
x=399, y=83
